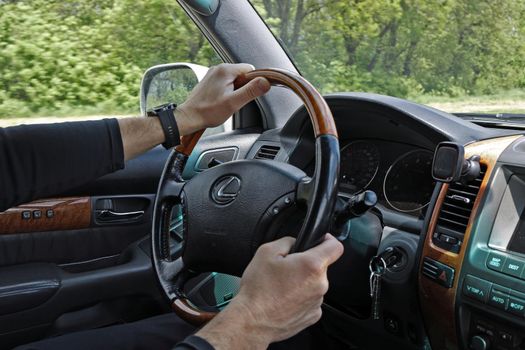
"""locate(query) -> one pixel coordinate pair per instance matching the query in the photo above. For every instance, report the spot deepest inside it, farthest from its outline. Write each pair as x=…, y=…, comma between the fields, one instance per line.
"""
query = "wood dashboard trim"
x=438, y=302
x=68, y=214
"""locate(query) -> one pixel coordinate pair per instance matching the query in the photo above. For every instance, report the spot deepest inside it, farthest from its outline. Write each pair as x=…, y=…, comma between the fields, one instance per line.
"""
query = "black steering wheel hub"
x=225, y=206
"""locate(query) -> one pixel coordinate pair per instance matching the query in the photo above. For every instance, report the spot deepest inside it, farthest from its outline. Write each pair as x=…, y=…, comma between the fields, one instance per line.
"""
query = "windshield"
x=455, y=55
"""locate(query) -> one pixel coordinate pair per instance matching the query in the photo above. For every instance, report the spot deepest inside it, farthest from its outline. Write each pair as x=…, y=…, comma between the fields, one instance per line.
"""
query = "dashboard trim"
x=437, y=302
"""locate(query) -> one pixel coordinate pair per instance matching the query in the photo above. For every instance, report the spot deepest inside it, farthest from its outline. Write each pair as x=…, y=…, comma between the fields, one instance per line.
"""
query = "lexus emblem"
x=226, y=189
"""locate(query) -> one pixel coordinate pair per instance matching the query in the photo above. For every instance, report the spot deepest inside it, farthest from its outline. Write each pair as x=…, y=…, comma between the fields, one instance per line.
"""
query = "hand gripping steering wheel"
x=228, y=210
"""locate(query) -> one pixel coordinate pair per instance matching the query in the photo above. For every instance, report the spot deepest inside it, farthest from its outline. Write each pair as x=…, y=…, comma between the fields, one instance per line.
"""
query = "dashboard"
x=387, y=146
x=392, y=170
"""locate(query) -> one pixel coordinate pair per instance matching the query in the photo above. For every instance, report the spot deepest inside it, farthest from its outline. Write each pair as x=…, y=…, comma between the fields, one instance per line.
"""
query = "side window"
x=84, y=59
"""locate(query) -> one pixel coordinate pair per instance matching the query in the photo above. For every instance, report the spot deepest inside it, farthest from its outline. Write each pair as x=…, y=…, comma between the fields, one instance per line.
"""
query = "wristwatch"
x=166, y=115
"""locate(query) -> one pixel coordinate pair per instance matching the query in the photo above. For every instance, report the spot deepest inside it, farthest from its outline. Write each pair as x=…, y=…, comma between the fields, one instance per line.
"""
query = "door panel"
x=47, y=215
x=88, y=264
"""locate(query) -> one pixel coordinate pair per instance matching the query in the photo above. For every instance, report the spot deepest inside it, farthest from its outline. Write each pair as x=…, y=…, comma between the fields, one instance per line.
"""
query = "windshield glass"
x=455, y=55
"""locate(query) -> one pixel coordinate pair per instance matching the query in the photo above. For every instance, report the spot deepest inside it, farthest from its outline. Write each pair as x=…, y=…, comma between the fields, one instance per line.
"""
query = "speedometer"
x=359, y=165
x=408, y=183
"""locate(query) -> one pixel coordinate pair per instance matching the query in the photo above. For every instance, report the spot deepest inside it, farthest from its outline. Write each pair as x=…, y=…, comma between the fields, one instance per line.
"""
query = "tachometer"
x=359, y=165
x=408, y=183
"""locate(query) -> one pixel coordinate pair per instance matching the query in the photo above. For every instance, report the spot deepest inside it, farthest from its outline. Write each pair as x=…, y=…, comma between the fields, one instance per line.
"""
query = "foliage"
x=404, y=47
x=59, y=56
x=90, y=54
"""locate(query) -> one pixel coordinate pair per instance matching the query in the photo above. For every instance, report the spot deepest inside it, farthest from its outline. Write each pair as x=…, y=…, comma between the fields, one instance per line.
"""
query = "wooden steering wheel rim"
x=323, y=124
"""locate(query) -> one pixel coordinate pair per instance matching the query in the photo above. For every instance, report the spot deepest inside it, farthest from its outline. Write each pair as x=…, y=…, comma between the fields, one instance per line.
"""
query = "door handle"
x=107, y=215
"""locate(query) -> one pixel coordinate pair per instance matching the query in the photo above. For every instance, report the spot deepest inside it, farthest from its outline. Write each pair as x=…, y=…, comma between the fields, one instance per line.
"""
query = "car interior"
x=426, y=204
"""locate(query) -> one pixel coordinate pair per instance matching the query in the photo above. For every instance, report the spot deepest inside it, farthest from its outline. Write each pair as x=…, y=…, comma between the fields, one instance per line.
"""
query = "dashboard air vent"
x=267, y=152
x=455, y=212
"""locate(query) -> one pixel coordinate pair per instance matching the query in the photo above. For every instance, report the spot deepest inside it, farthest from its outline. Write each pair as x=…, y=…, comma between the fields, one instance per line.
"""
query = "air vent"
x=267, y=152
x=455, y=213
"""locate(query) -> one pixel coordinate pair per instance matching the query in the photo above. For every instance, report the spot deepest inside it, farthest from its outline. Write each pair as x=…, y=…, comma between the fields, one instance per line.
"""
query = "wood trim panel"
x=438, y=302
x=68, y=214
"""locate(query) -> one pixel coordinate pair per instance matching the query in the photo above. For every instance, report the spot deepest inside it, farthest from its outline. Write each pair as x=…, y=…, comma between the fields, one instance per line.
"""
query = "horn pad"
x=225, y=207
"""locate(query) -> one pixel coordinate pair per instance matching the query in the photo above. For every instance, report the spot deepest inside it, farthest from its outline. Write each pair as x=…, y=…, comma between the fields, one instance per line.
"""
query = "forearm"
x=211, y=102
x=140, y=134
x=38, y=161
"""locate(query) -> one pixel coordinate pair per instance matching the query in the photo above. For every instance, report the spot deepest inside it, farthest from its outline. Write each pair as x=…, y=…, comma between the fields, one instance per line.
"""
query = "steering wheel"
x=228, y=210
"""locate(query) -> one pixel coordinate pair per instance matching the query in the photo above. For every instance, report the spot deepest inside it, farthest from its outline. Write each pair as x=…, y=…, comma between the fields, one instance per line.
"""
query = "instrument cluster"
x=400, y=174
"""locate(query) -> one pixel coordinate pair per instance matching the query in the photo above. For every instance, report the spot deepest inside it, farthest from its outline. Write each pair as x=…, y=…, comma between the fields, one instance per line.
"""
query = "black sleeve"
x=37, y=161
x=193, y=342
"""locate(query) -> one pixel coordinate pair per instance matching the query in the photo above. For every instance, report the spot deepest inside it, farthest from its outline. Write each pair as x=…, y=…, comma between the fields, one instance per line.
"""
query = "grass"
x=512, y=101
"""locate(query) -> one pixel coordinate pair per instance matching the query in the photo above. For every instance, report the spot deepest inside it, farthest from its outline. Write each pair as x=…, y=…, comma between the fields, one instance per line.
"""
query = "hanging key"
x=377, y=269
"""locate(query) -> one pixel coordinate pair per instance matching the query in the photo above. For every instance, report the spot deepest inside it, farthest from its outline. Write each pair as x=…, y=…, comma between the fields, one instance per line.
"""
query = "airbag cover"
x=223, y=208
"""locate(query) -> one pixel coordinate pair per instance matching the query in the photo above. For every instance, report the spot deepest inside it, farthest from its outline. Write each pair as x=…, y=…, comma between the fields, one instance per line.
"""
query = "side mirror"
x=450, y=165
x=167, y=83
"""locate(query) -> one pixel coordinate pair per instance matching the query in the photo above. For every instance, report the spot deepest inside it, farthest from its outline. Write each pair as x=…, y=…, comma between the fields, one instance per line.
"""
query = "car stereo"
x=508, y=232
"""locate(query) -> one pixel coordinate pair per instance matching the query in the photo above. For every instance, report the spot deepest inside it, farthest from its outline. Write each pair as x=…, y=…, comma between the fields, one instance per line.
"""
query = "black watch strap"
x=166, y=115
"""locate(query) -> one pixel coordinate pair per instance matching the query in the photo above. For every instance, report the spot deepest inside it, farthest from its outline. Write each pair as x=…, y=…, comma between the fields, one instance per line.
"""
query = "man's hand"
x=213, y=100
x=280, y=295
x=210, y=103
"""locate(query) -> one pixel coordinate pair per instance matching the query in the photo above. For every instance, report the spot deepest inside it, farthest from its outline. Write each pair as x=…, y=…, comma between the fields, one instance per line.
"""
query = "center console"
x=472, y=274
x=491, y=304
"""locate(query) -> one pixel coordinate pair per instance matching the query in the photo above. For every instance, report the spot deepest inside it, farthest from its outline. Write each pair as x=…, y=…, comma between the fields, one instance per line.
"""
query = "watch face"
x=164, y=107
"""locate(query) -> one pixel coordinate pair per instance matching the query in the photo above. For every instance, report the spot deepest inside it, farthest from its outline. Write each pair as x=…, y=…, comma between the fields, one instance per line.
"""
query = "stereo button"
x=513, y=267
x=498, y=299
x=476, y=288
x=517, y=306
x=495, y=261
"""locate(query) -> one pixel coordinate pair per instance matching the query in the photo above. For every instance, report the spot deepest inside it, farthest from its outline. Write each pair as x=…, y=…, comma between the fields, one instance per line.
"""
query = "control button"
x=505, y=337
x=479, y=342
x=513, y=267
x=438, y=272
x=495, y=261
x=476, y=288
x=485, y=329
x=516, y=306
x=50, y=213
x=37, y=214
x=498, y=299
x=26, y=215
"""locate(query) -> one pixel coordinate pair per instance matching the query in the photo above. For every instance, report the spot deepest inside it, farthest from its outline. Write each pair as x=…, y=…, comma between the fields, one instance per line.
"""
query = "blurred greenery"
x=87, y=56
x=78, y=57
x=418, y=49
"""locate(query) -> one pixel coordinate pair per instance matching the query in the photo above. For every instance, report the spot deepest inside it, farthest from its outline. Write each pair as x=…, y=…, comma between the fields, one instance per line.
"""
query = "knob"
x=479, y=342
x=352, y=207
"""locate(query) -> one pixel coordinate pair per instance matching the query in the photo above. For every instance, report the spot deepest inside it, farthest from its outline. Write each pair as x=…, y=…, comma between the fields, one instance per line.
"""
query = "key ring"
x=375, y=265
